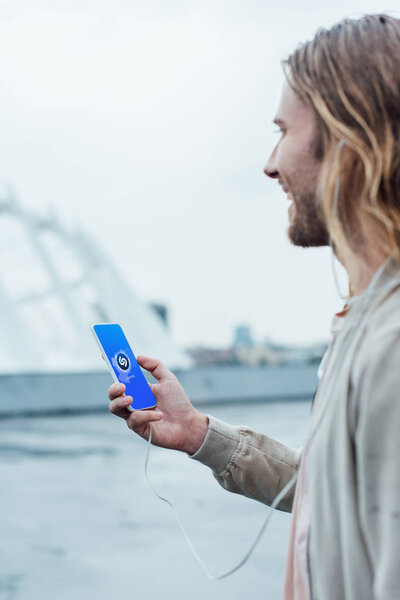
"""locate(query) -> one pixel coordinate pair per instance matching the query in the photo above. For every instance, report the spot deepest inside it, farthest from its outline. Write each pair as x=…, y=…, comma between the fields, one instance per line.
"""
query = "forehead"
x=291, y=109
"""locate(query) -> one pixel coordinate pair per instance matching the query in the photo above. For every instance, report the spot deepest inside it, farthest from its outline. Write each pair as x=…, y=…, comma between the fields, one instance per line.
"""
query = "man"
x=338, y=160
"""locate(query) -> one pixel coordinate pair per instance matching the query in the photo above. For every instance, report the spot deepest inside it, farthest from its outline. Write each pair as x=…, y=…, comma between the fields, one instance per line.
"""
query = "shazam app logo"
x=122, y=364
x=123, y=361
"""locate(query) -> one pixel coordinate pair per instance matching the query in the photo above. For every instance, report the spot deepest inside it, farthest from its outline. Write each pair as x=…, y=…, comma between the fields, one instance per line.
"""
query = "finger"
x=115, y=390
x=155, y=366
x=119, y=405
x=141, y=417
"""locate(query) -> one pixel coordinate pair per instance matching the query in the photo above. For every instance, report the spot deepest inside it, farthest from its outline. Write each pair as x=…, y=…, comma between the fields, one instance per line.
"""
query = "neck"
x=361, y=266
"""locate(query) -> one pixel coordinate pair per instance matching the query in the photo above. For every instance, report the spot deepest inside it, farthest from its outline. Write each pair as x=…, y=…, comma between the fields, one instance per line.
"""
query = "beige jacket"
x=352, y=459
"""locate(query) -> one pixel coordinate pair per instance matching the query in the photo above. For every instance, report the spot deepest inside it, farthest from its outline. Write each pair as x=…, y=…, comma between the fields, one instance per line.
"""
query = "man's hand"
x=175, y=423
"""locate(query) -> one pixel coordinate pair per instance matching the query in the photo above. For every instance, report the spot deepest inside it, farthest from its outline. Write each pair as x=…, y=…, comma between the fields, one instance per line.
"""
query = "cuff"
x=218, y=446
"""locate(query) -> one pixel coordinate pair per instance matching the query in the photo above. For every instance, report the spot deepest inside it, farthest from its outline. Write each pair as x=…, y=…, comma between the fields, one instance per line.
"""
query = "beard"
x=307, y=228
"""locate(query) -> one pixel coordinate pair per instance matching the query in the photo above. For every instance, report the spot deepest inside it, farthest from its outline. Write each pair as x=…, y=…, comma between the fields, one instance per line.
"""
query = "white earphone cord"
x=275, y=503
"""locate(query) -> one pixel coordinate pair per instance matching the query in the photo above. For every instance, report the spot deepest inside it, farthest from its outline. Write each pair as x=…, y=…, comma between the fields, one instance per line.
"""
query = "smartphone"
x=122, y=364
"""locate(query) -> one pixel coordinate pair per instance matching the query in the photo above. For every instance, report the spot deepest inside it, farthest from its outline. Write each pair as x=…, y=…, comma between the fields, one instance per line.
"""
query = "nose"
x=270, y=168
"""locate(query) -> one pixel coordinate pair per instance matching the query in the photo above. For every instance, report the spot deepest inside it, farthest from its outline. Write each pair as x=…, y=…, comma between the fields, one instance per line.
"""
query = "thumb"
x=155, y=366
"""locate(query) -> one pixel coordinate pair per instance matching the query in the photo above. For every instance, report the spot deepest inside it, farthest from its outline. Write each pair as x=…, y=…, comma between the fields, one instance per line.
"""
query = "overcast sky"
x=148, y=123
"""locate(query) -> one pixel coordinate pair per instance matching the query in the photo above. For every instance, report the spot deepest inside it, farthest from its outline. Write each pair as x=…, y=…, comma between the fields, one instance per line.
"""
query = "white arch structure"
x=54, y=284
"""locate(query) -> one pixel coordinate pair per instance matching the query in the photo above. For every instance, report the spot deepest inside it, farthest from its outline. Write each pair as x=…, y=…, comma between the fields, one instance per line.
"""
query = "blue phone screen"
x=124, y=364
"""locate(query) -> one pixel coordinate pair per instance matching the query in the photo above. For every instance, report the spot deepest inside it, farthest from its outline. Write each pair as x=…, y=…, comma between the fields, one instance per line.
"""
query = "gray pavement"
x=79, y=520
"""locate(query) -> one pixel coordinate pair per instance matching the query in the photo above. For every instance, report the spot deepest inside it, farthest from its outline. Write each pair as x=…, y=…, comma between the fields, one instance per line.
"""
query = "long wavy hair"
x=350, y=75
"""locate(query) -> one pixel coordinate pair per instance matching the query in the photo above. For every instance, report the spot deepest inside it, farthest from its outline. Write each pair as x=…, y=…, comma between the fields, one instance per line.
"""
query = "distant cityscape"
x=244, y=350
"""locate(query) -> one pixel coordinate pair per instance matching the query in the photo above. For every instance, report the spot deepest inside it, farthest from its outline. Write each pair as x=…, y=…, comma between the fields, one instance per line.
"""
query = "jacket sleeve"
x=377, y=451
x=248, y=463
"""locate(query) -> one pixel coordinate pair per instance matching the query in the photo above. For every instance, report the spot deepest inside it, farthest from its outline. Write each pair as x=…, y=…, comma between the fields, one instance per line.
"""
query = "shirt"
x=297, y=580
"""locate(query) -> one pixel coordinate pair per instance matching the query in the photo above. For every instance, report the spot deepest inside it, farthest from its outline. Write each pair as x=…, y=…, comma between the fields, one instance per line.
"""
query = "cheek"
x=296, y=164
x=286, y=161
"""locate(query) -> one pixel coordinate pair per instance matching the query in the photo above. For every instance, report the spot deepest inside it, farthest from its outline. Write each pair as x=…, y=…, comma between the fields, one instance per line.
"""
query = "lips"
x=291, y=207
x=286, y=190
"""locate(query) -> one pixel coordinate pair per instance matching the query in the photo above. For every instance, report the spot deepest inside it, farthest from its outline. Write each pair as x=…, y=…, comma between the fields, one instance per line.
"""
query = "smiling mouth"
x=287, y=192
x=290, y=199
